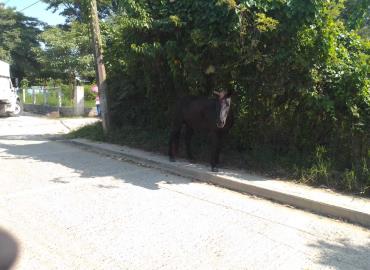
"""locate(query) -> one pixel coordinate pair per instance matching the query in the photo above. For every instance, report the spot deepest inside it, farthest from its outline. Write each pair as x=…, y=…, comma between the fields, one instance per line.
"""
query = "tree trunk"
x=98, y=55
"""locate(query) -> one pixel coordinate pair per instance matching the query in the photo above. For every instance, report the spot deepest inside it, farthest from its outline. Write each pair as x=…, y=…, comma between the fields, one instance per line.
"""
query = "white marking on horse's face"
x=224, y=111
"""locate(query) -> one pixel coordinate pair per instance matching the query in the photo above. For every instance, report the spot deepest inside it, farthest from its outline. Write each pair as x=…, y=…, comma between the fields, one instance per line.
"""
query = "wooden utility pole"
x=98, y=55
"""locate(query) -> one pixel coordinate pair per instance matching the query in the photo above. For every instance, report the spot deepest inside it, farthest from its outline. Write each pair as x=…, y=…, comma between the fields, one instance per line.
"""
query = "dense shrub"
x=301, y=75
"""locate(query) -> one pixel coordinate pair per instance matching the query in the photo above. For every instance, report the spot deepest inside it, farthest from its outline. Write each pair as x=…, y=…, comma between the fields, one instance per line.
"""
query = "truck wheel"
x=18, y=109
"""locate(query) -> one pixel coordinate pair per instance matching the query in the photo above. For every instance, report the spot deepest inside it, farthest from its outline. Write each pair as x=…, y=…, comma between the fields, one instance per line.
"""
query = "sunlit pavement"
x=72, y=209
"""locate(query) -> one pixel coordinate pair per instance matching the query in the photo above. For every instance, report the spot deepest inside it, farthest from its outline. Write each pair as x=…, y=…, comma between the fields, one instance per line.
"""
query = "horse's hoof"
x=172, y=159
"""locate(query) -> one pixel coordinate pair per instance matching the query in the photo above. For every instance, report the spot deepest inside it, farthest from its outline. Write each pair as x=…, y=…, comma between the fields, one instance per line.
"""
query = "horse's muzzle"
x=221, y=124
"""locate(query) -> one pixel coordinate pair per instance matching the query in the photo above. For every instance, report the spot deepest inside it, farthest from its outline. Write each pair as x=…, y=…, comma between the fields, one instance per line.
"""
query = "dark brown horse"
x=200, y=113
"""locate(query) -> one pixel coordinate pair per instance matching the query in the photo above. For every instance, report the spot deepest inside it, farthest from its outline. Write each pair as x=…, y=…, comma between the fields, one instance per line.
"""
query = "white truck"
x=10, y=103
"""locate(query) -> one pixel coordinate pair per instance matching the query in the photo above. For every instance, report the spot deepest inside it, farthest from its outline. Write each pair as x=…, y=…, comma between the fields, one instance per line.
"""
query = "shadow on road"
x=85, y=164
x=342, y=255
x=8, y=250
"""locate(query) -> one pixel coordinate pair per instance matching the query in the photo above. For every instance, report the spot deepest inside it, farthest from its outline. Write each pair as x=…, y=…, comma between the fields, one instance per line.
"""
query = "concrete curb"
x=321, y=201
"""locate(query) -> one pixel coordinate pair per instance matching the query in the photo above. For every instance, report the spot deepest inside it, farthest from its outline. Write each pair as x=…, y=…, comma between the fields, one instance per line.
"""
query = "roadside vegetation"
x=50, y=96
x=300, y=71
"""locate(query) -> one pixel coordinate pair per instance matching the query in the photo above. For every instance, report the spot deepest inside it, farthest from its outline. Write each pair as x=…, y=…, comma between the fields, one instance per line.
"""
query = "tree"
x=77, y=10
x=66, y=52
x=10, y=35
x=18, y=42
x=300, y=68
x=356, y=13
x=80, y=12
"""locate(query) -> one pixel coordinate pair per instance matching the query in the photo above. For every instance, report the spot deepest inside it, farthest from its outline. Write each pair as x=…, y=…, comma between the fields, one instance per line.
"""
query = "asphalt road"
x=68, y=208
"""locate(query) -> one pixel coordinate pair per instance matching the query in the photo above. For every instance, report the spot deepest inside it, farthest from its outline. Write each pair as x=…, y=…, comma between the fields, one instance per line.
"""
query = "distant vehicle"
x=10, y=103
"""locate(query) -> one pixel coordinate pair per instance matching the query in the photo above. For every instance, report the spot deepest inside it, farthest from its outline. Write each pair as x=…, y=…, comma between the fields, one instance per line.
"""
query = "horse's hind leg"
x=188, y=135
x=173, y=146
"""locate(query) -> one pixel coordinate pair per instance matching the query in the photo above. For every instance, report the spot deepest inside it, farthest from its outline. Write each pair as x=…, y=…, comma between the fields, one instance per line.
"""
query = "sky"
x=38, y=10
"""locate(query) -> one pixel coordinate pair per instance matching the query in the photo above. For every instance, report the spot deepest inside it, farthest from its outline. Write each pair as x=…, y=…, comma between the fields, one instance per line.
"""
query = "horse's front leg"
x=215, y=152
x=173, y=145
x=188, y=135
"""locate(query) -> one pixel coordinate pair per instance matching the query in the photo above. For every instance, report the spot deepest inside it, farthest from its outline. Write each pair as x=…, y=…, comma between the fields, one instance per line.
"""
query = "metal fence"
x=40, y=95
x=51, y=96
x=44, y=100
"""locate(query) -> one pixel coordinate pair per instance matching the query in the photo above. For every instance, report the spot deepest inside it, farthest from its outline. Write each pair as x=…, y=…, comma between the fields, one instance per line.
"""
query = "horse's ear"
x=222, y=93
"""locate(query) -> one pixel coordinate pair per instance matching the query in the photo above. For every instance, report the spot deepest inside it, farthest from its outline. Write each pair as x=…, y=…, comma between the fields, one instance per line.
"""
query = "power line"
x=30, y=5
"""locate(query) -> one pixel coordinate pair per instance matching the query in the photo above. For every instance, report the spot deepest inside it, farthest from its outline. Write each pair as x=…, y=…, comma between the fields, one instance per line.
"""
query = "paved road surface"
x=69, y=208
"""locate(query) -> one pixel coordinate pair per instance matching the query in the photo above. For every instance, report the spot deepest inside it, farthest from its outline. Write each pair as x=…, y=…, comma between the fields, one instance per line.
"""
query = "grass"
x=315, y=170
x=91, y=132
x=157, y=141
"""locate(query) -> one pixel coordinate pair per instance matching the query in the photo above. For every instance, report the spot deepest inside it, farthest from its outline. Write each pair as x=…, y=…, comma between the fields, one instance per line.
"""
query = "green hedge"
x=300, y=72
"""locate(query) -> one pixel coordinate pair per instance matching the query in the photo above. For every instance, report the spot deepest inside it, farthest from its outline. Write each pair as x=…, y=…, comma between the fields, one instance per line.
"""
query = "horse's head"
x=224, y=98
